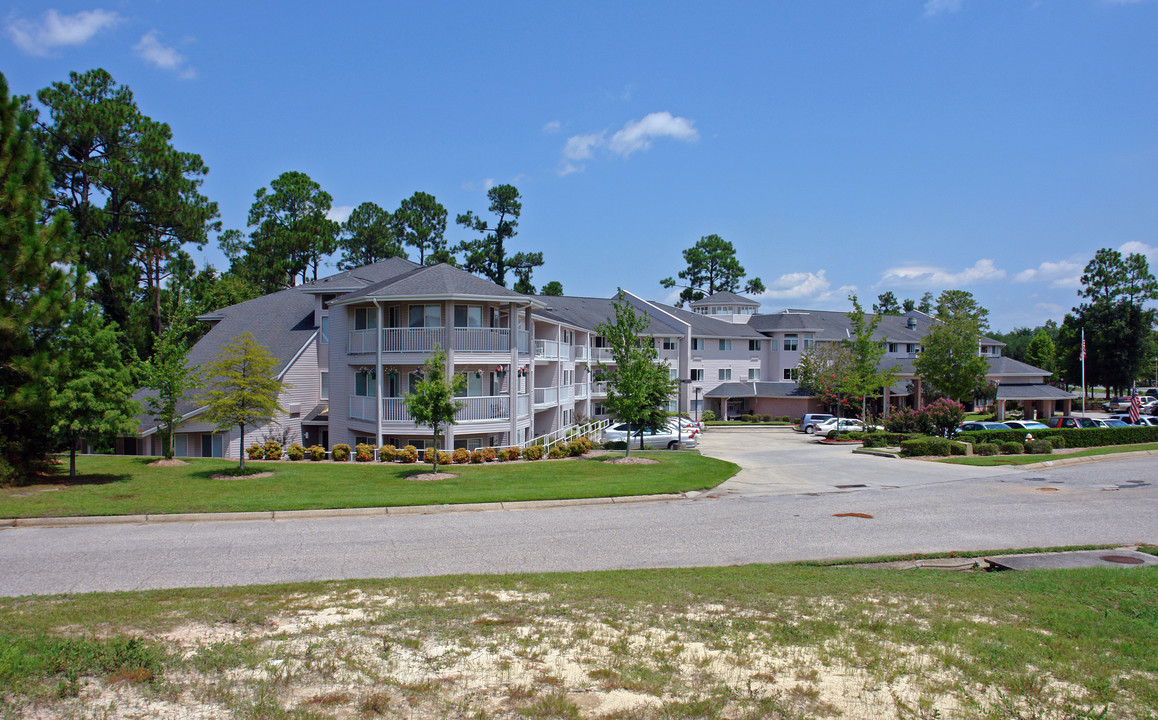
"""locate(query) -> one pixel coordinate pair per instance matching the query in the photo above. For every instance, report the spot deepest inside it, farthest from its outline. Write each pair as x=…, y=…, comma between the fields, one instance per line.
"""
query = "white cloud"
x=1061, y=274
x=937, y=7
x=161, y=56
x=552, y=127
x=634, y=136
x=797, y=285
x=340, y=213
x=56, y=30
x=924, y=276
x=1141, y=248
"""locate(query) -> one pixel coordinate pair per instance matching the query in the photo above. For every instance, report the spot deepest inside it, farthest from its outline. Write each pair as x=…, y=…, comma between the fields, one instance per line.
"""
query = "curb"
x=1062, y=462
x=283, y=515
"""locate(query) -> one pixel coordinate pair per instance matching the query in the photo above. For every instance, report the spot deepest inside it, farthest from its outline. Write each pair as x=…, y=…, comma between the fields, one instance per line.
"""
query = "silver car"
x=667, y=437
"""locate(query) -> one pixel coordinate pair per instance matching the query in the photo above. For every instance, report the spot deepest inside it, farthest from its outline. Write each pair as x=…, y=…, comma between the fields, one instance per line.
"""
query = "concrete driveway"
x=781, y=461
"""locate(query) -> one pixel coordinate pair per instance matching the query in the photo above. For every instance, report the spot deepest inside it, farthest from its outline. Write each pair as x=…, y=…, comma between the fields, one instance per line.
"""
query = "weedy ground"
x=740, y=642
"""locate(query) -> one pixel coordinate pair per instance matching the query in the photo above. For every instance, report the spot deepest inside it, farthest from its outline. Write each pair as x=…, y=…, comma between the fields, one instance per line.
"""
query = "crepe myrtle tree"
x=432, y=402
x=241, y=388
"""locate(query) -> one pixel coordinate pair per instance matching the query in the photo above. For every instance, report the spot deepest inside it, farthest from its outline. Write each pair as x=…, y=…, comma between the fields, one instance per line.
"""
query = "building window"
x=697, y=344
x=324, y=392
x=672, y=373
x=364, y=385
x=600, y=341
x=698, y=374
x=753, y=345
x=725, y=374
x=324, y=330
x=894, y=347
x=790, y=341
x=911, y=348
x=181, y=445
x=696, y=406
x=725, y=344
x=753, y=373
x=791, y=374
x=364, y=319
x=465, y=315
x=668, y=343
x=670, y=406
x=429, y=316
x=363, y=440
x=808, y=341
x=772, y=344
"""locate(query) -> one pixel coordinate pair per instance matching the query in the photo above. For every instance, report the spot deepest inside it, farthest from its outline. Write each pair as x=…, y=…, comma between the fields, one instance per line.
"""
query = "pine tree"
x=35, y=292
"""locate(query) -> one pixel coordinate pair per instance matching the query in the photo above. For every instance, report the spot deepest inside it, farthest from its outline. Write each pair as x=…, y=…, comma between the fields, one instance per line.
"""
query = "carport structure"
x=1038, y=399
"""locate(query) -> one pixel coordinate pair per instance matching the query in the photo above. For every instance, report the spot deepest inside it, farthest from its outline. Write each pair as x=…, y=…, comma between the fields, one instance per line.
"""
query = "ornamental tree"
x=241, y=388
x=432, y=402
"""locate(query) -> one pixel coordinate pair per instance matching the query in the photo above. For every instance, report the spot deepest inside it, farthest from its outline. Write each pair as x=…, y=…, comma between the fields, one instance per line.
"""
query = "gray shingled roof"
x=440, y=280
x=361, y=277
x=588, y=312
x=1034, y=391
x=834, y=325
x=707, y=326
x=997, y=366
x=724, y=297
x=758, y=389
x=282, y=323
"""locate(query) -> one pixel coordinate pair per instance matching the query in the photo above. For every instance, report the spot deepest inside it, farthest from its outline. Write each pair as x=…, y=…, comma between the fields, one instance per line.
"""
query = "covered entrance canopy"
x=1038, y=399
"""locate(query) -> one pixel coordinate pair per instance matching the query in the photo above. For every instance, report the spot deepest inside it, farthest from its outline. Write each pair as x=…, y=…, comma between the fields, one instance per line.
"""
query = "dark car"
x=1070, y=421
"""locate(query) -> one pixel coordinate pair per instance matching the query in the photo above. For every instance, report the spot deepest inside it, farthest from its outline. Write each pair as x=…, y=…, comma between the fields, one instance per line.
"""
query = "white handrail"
x=568, y=434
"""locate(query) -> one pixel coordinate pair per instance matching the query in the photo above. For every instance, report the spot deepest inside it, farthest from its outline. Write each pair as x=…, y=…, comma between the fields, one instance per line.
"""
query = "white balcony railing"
x=546, y=396
x=485, y=408
x=580, y=391
x=362, y=342
x=546, y=350
x=579, y=352
x=598, y=389
x=412, y=340
x=482, y=340
x=601, y=354
x=566, y=393
x=362, y=408
x=524, y=405
x=393, y=411
x=524, y=339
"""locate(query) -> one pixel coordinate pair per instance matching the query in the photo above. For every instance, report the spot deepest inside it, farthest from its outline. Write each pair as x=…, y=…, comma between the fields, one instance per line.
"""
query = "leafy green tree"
x=134, y=200
x=488, y=256
x=712, y=267
x=241, y=388
x=291, y=233
x=867, y=377
x=169, y=380
x=368, y=236
x=1041, y=352
x=92, y=387
x=949, y=360
x=432, y=402
x=887, y=304
x=35, y=292
x=638, y=386
x=420, y=222
x=554, y=288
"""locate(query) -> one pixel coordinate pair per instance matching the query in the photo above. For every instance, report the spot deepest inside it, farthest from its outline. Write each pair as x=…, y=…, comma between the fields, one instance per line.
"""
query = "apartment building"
x=351, y=346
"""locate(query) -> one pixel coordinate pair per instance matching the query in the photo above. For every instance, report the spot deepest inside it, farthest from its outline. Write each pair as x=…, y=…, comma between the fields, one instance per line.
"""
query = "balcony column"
x=530, y=381
x=513, y=375
x=378, y=332
x=448, y=345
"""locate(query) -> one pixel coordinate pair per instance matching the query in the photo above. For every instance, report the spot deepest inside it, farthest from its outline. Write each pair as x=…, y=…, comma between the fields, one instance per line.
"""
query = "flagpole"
x=1083, y=372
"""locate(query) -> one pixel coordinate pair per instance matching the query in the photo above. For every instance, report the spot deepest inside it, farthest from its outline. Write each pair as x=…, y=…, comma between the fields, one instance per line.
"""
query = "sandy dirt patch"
x=168, y=463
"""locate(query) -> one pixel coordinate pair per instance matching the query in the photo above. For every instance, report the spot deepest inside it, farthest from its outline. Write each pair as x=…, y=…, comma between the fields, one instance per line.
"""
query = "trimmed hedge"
x=986, y=449
x=1072, y=437
x=1012, y=447
x=1038, y=447
x=925, y=446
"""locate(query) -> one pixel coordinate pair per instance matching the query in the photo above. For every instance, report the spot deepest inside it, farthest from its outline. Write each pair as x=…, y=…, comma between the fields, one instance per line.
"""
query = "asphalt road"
x=780, y=508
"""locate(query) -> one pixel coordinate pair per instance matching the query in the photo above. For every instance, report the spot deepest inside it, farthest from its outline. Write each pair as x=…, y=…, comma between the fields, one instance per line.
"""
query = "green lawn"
x=758, y=641
x=1031, y=459
x=117, y=485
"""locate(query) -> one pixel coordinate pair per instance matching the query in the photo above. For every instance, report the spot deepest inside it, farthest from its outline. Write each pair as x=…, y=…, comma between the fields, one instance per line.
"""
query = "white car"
x=846, y=425
x=665, y=438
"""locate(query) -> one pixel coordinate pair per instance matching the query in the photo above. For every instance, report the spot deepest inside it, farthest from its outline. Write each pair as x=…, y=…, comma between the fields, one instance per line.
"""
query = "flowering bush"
x=512, y=453
x=255, y=452
x=364, y=452
x=533, y=452
x=316, y=452
x=557, y=452
x=408, y=454
x=271, y=450
x=340, y=453
x=489, y=454
x=462, y=455
x=387, y=453
x=945, y=415
x=476, y=457
x=295, y=452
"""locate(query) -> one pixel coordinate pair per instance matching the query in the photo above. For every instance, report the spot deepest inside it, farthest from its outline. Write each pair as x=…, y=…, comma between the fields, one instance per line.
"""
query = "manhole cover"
x=846, y=487
x=1122, y=559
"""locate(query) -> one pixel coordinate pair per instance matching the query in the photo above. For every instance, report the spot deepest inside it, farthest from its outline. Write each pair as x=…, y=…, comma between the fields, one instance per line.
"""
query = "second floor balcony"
x=486, y=408
x=421, y=341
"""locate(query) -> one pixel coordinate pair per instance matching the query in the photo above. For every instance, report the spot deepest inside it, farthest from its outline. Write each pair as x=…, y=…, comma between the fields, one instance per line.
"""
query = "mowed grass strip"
x=764, y=640
x=118, y=485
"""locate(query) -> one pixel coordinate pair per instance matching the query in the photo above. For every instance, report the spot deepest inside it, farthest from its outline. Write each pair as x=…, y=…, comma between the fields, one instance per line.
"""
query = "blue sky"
x=986, y=145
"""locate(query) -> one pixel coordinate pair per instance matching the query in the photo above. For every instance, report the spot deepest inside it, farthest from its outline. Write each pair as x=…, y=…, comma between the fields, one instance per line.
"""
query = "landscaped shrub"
x=340, y=453
x=387, y=453
x=557, y=452
x=428, y=455
x=615, y=445
x=489, y=454
x=945, y=415
x=707, y=416
x=767, y=418
x=1038, y=447
x=783, y=418
x=364, y=452
x=1012, y=447
x=271, y=450
x=462, y=456
x=1056, y=441
x=533, y=452
x=512, y=453
x=476, y=457
x=255, y=452
x=316, y=453
x=925, y=446
x=986, y=449
x=443, y=457
x=575, y=448
x=960, y=448
x=408, y=454
x=906, y=421
x=1077, y=438
x=874, y=440
x=295, y=452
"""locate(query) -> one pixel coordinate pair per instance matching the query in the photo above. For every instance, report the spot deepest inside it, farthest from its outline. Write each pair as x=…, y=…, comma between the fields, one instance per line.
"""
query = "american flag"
x=1135, y=407
x=1082, y=355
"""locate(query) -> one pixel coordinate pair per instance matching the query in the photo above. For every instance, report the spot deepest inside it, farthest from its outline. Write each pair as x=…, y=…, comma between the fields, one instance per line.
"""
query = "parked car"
x=979, y=425
x=845, y=425
x=1070, y=421
x=664, y=438
x=1114, y=423
x=1030, y=425
x=1125, y=418
x=688, y=427
x=1148, y=420
x=809, y=422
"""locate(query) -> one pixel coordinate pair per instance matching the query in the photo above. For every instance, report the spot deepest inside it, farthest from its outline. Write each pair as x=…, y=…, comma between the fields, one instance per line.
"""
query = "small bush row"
x=935, y=446
x=409, y=454
x=1072, y=437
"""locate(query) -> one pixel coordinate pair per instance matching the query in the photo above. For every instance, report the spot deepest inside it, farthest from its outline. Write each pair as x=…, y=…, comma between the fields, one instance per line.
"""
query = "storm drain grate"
x=1122, y=559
